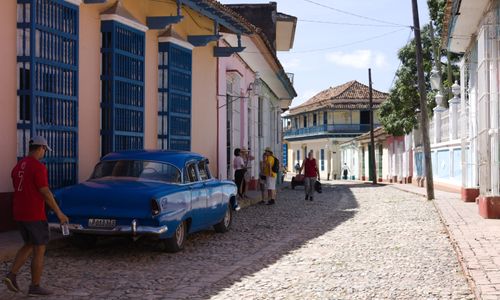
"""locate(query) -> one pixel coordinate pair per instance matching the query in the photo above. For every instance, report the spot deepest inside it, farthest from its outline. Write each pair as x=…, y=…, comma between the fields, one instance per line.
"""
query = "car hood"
x=116, y=198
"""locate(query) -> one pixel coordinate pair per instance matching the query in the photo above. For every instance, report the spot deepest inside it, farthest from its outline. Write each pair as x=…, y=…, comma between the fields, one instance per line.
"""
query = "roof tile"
x=351, y=94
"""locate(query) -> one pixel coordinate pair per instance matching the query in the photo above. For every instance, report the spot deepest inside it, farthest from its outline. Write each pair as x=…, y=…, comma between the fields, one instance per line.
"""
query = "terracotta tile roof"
x=350, y=95
x=229, y=13
x=257, y=31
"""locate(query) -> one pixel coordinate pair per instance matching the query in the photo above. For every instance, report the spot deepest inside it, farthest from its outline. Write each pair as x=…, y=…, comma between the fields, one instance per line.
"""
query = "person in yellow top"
x=270, y=176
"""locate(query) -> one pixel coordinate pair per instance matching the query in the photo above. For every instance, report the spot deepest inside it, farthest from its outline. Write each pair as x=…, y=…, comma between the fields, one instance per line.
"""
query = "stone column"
x=453, y=113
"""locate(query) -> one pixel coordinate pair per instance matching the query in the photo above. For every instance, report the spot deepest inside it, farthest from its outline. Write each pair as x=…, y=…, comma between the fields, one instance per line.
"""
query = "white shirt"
x=238, y=163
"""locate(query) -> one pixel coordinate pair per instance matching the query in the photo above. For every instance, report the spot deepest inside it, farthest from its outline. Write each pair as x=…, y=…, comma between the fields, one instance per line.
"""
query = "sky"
x=326, y=55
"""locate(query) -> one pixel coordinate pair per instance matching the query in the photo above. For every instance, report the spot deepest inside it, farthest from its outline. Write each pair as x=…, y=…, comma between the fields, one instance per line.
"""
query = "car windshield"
x=142, y=169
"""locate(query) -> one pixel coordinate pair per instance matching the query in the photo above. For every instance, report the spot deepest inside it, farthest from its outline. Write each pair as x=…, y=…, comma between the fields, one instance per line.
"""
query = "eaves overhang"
x=263, y=60
x=223, y=15
x=461, y=22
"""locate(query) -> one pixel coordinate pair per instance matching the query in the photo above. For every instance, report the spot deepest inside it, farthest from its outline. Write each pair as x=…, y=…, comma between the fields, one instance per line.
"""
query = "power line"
x=348, y=24
x=355, y=15
x=400, y=62
x=349, y=44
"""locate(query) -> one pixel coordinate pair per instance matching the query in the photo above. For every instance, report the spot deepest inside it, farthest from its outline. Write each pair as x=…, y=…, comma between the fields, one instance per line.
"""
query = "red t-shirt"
x=28, y=176
x=310, y=168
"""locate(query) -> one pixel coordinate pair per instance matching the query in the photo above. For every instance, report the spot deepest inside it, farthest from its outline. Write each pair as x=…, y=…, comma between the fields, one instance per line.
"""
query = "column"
x=453, y=113
x=437, y=119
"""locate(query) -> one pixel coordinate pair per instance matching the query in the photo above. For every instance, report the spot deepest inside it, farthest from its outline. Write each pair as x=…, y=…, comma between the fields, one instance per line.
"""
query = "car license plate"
x=102, y=223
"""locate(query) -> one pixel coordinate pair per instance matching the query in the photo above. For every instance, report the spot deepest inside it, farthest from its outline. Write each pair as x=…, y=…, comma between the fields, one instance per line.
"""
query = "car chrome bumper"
x=132, y=229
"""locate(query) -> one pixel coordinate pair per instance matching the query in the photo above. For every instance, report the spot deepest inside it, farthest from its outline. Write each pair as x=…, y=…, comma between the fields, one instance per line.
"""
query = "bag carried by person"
x=276, y=165
x=317, y=187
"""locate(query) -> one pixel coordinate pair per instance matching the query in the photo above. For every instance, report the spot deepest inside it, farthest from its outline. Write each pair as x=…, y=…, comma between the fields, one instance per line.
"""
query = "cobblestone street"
x=354, y=241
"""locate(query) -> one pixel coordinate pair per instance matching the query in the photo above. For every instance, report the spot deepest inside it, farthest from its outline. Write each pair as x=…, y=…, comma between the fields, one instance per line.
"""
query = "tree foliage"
x=398, y=114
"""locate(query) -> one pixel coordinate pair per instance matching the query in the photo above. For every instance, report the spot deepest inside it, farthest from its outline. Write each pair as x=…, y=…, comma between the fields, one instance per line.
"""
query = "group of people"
x=267, y=174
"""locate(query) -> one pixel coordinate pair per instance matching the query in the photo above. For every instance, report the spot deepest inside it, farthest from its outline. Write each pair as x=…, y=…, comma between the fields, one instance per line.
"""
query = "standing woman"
x=262, y=178
x=247, y=159
x=311, y=172
x=239, y=171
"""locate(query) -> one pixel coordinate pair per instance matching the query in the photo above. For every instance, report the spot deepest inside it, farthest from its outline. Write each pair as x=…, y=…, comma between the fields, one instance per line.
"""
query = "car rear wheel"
x=177, y=241
x=225, y=224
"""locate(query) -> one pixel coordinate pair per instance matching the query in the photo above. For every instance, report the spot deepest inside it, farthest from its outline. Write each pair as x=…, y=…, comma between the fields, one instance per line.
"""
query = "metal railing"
x=329, y=128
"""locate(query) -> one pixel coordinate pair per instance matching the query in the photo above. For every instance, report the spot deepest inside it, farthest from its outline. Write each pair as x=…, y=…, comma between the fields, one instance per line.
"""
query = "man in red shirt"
x=311, y=172
x=31, y=193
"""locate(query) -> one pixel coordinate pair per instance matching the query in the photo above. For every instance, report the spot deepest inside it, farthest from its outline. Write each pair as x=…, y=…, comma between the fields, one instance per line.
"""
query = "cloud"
x=359, y=59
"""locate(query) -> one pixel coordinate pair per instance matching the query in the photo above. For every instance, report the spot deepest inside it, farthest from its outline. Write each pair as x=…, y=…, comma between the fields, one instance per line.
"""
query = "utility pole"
x=371, y=158
x=423, y=105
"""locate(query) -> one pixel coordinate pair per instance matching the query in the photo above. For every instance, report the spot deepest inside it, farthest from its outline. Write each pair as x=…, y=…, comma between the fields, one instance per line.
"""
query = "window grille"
x=47, y=83
x=122, y=87
x=174, y=97
x=325, y=118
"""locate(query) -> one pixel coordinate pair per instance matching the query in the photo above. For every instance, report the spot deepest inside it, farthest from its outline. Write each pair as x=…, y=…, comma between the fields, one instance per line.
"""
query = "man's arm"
x=317, y=170
x=51, y=202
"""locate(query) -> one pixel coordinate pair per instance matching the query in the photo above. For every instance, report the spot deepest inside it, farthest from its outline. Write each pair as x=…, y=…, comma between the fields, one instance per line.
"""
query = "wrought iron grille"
x=174, y=97
x=122, y=99
x=47, y=85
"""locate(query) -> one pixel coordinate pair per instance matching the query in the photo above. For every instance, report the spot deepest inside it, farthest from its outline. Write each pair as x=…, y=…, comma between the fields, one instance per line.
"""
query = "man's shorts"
x=35, y=232
x=271, y=183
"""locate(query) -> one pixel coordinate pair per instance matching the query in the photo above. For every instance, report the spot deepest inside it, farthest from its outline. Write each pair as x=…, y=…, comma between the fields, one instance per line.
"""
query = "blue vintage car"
x=164, y=194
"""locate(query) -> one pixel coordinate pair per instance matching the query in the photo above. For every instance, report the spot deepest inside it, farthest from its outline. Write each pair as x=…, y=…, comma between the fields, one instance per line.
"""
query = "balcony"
x=328, y=129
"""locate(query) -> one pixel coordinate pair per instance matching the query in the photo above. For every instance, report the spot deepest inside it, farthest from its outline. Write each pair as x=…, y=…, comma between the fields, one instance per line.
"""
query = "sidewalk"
x=476, y=240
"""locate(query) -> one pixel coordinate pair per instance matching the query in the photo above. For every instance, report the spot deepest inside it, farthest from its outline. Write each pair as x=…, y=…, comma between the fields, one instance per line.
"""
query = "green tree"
x=398, y=114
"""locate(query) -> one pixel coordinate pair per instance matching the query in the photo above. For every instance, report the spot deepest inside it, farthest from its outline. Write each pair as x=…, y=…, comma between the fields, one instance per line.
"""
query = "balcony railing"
x=329, y=129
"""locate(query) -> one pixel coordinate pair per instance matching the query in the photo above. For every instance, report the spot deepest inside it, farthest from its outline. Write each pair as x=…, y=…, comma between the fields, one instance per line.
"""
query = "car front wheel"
x=177, y=241
x=225, y=223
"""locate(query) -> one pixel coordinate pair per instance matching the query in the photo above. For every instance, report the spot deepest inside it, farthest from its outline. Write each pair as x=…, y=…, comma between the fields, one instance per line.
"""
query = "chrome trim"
x=134, y=226
x=118, y=230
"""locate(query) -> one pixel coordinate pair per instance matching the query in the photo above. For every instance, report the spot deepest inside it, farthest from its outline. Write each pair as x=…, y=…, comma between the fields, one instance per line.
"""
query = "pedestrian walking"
x=297, y=167
x=270, y=175
x=311, y=173
x=247, y=159
x=345, y=171
x=31, y=193
x=239, y=171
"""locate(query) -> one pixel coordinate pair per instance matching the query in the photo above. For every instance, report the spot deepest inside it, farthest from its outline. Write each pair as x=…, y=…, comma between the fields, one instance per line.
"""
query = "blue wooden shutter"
x=174, y=96
x=322, y=159
x=122, y=97
x=47, y=60
x=285, y=155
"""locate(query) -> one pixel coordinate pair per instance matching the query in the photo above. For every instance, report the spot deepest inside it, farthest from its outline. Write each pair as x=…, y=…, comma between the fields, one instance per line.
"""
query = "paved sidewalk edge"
x=454, y=243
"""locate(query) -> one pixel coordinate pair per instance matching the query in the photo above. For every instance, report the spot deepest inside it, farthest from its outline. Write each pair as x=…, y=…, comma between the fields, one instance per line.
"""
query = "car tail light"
x=155, y=208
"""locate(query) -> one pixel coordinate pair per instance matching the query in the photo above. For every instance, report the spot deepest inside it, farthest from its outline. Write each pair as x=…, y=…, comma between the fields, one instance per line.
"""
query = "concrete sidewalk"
x=476, y=240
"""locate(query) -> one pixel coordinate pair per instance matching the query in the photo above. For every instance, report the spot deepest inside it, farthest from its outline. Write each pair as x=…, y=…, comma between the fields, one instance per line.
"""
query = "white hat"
x=39, y=140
